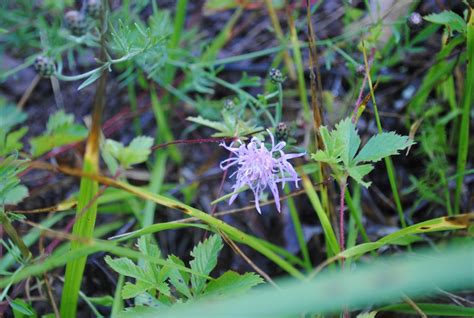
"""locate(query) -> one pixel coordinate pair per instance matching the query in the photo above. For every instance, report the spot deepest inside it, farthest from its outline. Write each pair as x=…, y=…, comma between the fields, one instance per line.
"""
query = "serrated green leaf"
x=130, y=290
x=179, y=279
x=448, y=18
x=12, y=141
x=15, y=195
x=205, y=259
x=10, y=116
x=126, y=267
x=59, y=120
x=381, y=146
x=60, y=130
x=63, y=136
x=11, y=192
x=136, y=152
x=232, y=284
x=323, y=156
x=209, y=123
x=346, y=135
x=358, y=172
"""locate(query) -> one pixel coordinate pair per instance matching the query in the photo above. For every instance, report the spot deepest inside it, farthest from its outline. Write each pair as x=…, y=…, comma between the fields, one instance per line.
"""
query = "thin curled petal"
x=259, y=168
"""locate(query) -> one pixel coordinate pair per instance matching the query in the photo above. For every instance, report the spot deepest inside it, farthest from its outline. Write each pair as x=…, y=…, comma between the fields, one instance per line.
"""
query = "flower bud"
x=92, y=8
x=282, y=132
x=75, y=22
x=44, y=66
x=415, y=21
x=276, y=76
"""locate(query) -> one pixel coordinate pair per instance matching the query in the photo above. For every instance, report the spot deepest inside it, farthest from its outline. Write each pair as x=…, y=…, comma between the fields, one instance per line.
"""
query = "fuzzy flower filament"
x=259, y=168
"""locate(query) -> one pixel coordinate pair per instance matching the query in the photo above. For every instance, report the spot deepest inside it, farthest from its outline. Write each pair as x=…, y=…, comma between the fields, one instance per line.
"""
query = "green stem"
x=279, y=109
x=388, y=160
x=299, y=232
x=11, y=232
x=463, y=148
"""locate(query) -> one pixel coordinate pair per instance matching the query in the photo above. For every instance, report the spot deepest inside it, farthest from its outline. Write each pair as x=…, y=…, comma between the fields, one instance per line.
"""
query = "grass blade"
x=468, y=100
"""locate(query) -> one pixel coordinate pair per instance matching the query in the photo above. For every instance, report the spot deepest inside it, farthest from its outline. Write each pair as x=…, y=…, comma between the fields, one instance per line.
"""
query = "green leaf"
x=358, y=172
x=60, y=130
x=147, y=247
x=231, y=284
x=102, y=300
x=209, y=123
x=179, y=279
x=443, y=310
x=15, y=195
x=346, y=135
x=21, y=308
x=91, y=79
x=11, y=192
x=130, y=290
x=10, y=116
x=205, y=259
x=126, y=267
x=12, y=142
x=58, y=121
x=448, y=18
x=383, y=145
x=136, y=152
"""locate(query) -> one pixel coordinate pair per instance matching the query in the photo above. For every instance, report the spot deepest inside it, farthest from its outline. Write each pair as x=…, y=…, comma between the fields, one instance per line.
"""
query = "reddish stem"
x=193, y=141
x=341, y=216
x=366, y=76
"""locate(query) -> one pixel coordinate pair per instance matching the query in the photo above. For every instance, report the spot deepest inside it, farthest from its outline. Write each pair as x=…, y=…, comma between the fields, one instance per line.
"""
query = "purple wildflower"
x=258, y=168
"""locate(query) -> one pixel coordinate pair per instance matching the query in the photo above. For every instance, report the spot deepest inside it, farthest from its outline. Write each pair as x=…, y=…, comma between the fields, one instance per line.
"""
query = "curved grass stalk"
x=193, y=212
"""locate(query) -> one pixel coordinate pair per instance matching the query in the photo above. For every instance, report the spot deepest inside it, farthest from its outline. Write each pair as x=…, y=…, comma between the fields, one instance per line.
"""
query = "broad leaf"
x=205, y=259
x=12, y=141
x=448, y=18
x=15, y=195
x=209, y=123
x=60, y=130
x=346, y=135
x=11, y=192
x=383, y=145
x=130, y=290
x=126, y=267
x=136, y=152
x=10, y=116
x=179, y=279
x=358, y=172
x=231, y=284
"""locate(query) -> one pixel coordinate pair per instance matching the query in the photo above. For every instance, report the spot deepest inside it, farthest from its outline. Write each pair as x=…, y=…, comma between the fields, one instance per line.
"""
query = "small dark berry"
x=276, y=76
x=415, y=21
x=282, y=132
x=92, y=8
x=44, y=66
x=76, y=22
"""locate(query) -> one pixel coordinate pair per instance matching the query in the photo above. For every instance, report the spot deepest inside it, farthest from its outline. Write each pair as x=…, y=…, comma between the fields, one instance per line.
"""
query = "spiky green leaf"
x=381, y=146
x=358, y=172
x=205, y=259
x=231, y=284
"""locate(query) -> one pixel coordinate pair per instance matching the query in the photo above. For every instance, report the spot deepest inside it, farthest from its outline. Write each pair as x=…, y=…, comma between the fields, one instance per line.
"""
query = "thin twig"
x=247, y=259
x=414, y=306
x=26, y=95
